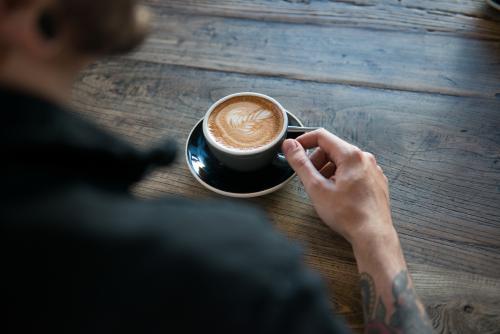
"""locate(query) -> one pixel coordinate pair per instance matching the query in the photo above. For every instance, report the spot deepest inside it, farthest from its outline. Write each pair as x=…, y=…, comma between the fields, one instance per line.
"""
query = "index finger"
x=335, y=147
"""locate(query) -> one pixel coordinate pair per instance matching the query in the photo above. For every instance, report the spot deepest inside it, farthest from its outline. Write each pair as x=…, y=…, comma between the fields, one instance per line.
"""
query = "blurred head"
x=49, y=28
x=44, y=43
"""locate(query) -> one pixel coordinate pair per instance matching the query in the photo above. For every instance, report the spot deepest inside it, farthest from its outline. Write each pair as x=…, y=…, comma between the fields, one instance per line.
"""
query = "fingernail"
x=289, y=145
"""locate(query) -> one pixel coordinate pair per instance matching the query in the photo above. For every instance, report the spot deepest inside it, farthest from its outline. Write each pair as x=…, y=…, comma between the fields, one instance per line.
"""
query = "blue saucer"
x=225, y=181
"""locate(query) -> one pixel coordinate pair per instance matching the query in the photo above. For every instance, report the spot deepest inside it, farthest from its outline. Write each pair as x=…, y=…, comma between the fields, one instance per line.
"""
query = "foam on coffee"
x=245, y=122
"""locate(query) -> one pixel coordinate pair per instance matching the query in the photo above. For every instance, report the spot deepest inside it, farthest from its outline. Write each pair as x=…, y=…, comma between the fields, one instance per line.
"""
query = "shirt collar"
x=36, y=133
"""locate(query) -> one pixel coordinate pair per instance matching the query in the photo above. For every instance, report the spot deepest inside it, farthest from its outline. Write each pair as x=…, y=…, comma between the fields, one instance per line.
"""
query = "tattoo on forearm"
x=408, y=316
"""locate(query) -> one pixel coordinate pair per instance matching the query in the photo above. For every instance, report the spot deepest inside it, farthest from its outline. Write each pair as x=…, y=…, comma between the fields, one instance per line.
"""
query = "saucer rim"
x=232, y=194
x=493, y=4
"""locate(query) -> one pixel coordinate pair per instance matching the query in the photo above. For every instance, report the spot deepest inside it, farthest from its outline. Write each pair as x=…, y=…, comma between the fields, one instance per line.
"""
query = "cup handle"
x=302, y=129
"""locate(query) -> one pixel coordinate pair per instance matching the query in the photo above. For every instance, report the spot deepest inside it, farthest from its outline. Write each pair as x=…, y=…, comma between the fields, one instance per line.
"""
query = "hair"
x=16, y=3
x=96, y=26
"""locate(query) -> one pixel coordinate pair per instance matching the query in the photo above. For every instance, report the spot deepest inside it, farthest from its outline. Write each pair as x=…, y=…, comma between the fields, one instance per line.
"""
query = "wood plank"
x=442, y=154
x=470, y=18
x=458, y=303
x=378, y=59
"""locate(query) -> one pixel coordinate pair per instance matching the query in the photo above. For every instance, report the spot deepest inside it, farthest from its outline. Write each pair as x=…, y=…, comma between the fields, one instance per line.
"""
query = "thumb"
x=301, y=164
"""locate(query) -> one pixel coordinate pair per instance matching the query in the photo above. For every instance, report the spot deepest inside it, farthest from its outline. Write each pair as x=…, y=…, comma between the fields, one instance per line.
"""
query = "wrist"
x=380, y=252
x=374, y=241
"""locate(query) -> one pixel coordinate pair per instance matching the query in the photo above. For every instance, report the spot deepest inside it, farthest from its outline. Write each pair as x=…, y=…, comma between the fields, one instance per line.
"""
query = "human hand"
x=351, y=195
x=347, y=188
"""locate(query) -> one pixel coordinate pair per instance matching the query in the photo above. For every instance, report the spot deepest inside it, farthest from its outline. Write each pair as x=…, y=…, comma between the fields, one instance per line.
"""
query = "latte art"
x=245, y=123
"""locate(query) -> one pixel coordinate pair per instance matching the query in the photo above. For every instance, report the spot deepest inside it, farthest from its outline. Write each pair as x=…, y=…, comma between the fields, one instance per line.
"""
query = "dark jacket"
x=79, y=254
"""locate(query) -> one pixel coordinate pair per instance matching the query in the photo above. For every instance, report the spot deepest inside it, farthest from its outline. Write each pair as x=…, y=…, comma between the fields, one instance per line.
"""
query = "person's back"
x=81, y=255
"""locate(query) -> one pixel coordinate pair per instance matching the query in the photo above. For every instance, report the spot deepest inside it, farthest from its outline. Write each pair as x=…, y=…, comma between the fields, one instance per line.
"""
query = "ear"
x=32, y=30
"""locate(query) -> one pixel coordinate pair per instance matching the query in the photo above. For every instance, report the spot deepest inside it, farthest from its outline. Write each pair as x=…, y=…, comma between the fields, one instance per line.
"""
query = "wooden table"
x=415, y=82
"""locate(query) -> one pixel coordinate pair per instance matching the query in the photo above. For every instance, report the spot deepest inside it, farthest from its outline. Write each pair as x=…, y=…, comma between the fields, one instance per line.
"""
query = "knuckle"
x=356, y=155
x=322, y=132
x=370, y=157
x=315, y=183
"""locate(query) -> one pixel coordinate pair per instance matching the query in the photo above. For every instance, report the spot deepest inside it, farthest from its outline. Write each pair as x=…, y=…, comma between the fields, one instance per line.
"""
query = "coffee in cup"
x=245, y=122
x=244, y=131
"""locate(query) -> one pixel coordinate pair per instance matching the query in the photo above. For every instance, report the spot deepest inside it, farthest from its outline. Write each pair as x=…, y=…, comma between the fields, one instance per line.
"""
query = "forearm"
x=390, y=303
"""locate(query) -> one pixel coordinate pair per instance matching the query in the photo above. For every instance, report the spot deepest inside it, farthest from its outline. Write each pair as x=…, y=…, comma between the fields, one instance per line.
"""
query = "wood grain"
x=442, y=162
x=458, y=303
x=399, y=61
x=417, y=83
x=468, y=18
